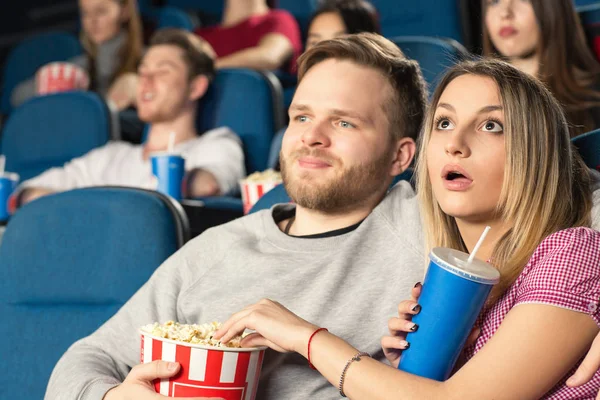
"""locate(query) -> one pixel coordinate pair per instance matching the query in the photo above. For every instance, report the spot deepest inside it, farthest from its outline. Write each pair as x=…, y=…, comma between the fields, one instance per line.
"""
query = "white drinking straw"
x=2, y=163
x=171, y=142
x=479, y=242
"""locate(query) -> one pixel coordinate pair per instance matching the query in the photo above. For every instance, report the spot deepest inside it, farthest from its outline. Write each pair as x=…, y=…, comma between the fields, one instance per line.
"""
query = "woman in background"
x=546, y=39
x=339, y=17
x=112, y=40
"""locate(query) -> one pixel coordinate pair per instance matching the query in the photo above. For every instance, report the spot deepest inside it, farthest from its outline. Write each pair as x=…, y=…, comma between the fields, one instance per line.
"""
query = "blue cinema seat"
x=251, y=104
x=434, y=55
x=68, y=262
x=48, y=131
x=28, y=56
x=588, y=146
x=173, y=17
x=442, y=18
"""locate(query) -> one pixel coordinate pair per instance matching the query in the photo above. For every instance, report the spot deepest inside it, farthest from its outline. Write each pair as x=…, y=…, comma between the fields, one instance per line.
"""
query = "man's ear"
x=405, y=149
x=198, y=87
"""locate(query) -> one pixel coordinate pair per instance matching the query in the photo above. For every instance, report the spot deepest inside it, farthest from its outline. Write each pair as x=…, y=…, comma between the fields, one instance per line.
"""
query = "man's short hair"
x=406, y=109
x=197, y=54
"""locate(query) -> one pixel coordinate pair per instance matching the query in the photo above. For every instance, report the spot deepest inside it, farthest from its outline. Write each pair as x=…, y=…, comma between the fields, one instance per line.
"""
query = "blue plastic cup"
x=8, y=184
x=454, y=292
x=169, y=169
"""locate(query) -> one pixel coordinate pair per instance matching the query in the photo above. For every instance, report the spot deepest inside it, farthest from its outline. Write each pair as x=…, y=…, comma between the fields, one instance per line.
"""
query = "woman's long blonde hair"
x=546, y=184
x=130, y=53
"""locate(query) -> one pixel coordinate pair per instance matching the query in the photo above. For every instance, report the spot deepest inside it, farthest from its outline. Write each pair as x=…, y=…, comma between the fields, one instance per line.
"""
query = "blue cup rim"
x=477, y=271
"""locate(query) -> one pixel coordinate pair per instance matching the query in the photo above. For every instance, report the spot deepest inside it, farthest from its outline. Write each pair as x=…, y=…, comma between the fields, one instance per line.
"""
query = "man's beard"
x=346, y=191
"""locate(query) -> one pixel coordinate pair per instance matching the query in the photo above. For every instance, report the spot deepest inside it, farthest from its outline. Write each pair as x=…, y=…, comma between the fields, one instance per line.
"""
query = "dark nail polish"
x=414, y=328
x=418, y=284
x=416, y=309
x=407, y=346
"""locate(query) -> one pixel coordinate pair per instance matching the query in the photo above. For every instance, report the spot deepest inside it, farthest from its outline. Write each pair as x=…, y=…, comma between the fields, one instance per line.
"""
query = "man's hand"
x=201, y=183
x=123, y=91
x=589, y=366
x=30, y=194
x=138, y=384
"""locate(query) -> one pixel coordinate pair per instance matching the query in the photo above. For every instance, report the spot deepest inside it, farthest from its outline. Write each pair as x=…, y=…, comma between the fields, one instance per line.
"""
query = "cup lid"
x=456, y=262
x=161, y=153
x=10, y=175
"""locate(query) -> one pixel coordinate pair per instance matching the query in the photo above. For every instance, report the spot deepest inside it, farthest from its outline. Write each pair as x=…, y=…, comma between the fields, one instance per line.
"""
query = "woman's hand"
x=394, y=344
x=275, y=326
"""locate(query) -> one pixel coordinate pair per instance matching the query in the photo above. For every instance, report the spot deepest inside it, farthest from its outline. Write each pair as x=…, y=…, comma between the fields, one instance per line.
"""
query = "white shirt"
x=218, y=151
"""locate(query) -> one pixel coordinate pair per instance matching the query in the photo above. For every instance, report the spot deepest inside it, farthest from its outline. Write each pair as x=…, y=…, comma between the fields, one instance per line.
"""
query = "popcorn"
x=191, y=333
x=268, y=175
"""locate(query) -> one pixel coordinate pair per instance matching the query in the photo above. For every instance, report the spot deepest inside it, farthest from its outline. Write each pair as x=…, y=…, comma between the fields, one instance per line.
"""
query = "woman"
x=112, y=41
x=495, y=147
x=546, y=39
x=338, y=17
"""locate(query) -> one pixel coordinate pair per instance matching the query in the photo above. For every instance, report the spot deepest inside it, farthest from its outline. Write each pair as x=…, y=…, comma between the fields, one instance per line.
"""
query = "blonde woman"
x=495, y=151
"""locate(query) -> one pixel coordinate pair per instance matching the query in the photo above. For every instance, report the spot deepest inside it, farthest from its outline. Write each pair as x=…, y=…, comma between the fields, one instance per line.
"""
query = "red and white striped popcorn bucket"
x=252, y=191
x=61, y=77
x=206, y=371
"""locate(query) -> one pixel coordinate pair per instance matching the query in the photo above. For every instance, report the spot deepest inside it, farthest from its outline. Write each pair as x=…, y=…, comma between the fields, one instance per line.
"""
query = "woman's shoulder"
x=566, y=253
x=573, y=236
x=575, y=242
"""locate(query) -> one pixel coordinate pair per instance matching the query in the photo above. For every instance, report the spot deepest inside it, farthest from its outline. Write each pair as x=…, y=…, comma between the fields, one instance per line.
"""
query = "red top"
x=564, y=271
x=248, y=33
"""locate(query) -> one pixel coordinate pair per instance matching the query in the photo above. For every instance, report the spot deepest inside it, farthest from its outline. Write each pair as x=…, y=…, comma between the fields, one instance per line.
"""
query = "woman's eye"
x=492, y=126
x=445, y=124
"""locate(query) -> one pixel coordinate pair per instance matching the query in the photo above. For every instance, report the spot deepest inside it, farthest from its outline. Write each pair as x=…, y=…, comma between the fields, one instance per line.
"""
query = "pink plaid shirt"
x=564, y=271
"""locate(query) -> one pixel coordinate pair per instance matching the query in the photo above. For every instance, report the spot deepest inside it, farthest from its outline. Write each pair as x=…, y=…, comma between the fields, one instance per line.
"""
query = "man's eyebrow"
x=299, y=107
x=349, y=114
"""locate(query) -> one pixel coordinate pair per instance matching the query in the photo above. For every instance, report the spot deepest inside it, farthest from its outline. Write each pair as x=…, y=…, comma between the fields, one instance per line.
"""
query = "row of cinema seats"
x=50, y=130
x=427, y=18
x=70, y=260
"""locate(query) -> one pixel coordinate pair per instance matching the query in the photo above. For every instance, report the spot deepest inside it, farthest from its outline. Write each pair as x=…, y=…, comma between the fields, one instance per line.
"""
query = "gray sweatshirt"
x=351, y=284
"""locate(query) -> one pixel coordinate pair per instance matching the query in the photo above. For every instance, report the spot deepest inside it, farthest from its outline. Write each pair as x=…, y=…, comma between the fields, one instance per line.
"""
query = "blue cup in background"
x=169, y=169
x=454, y=292
x=8, y=184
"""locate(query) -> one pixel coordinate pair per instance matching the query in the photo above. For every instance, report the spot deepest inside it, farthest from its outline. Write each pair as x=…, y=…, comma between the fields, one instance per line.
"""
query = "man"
x=334, y=258
x=254, y=35
x=174, y=74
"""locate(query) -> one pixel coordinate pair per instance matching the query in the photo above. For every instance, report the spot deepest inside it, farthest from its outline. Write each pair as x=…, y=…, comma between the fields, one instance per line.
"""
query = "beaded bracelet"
x=355, y=357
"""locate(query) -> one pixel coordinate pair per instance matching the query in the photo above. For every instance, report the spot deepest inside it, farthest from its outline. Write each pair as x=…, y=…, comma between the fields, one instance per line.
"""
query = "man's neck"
x=184, y=127
x=471, y=232
x=311, y=222
x=237, y=11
